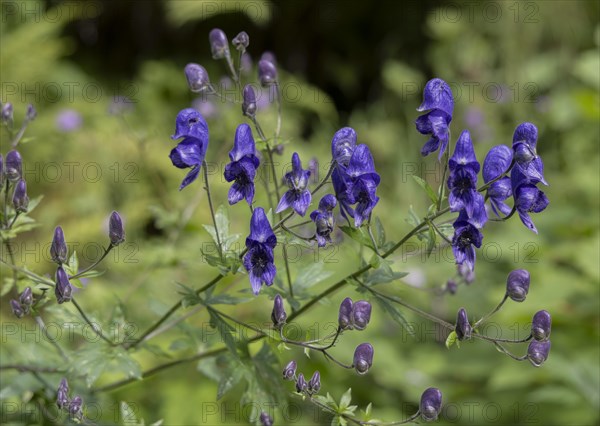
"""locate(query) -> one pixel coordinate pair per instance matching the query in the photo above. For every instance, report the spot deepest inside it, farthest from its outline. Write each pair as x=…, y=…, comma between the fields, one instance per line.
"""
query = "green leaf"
x=309, y=276
x=228, y=381
x=72, y=265
x=358, y=234
x=383, y=274
x=428, y=189
x=345, y=400
x=451, y=339
x=379, y=232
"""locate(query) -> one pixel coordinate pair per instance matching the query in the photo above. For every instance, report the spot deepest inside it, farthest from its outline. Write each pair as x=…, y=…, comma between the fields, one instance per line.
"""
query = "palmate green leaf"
x=359, y=235
x=428, y=189
x=396, y=315
x=383, y=274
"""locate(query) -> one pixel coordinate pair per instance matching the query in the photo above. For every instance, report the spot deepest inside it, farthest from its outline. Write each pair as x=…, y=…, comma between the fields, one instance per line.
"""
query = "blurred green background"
x=341, y=63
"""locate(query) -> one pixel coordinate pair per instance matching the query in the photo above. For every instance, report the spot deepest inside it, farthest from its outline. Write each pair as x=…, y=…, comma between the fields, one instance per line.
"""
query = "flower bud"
x=431, y=404
x=1, y=172
x=314, y=384
x=116, y=232
x=363, y=358
x=537, y=352
x=267, y=73
x=361, y=314
x=197, y=77
x=345, y=314
x=517, y=284
x=451, y=286
x=541, y=326
x=75, y=406
x=219, y=45
x=241, y=41
x=265, y=419
x=26, y=298
x=7, y=113
x=16, y=308
x=278, y=316
x=14, y=166
x=463, y=328
x=20, y=199
x=289, y=371
x=249, y=101
x=301, y=384
x=58, y=249
x=62, y=395
x=31, y=113
x=63, y=288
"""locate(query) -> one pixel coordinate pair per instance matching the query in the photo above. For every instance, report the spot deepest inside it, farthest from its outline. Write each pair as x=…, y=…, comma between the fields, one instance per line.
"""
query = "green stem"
x=92, y=266
x=496, y=309
x=87, y=320
x=210, y=205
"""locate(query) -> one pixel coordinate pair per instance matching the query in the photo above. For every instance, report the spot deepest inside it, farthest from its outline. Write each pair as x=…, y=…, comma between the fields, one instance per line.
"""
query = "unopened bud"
x=241, y=41
x=63, y=288
x=517, y=284
x=197, y=77
x=301, y=384
x=267, y=73
x=116, y=232
x=537, y=352
x=431, y=404
x=363, y=358
x=463, y=328
x=20, y=199
x=58, y=249
x=14, y=166
x=278, y=315
x=289, y=371
x=248, y=101
x=16, y=308
x=314, y=384
x=219, y=45
x=26, y=298
x=541, y=326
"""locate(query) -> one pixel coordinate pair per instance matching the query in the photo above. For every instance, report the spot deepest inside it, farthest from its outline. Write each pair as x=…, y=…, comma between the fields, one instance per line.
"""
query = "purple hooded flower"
x=13, y=166
x=298, y=196
x=289, y=371
x=466, y=237
x=314, y=384
x=323, y=219
x=343, y=145
x=517, y=284
x=537, y=352
x=362, y=183
x=541, y=325
x=249, y=101
x=524, y=147
x=497, y=161
x=528, y=198
x=63, y=288
x=267, y=72
x=16, y=308
x=58, y=248
x=301, y=384
x=363, y=358
x=431, y=404
x=62, y=394
x=462, y=181
x=241, y=41
x=345, y=314
x=197, y=77
x=438, y=100
x=242, y=169
x=219, y=45
x=116, y=231
x=462, y=328
x=20, y=199
x=190, y=152
x=259, y=259
x=278, y=315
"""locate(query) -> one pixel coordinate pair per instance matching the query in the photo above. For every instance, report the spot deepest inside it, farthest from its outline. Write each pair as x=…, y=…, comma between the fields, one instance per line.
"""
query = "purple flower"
x=6, y=115
x=278, y=315
x=496, y=162
x=20, y=199
x=116, y=231
x=301, y=384
x=289, y=371
x=517, y=284
x=219, y=45
x=197, y=77
x=462, y=181
x=314, y=384
x=248, y=101
x=354, y=315
x=466, y=237
x=242, y=168
x=431, y=404
x=68, y=120
x=30, y=113
x=16, y=308
x=541, y=326
x=345, y=314
x=14, y=166
x=463, y=328
x=524, y=147
x=438, y=100
x=298, y=196
x=537, y=352
x=241, y=41
x=267, y=72
x=63, y=288
x=323, y=219
x=1, y=171
x=528, y=198
x=75, y=407
x=26, y=298
x=62, y=394
x=343, y=145
x=265, y=419
x=363, y=358
x=259, y=259
x=58, y=250
x=190, y=152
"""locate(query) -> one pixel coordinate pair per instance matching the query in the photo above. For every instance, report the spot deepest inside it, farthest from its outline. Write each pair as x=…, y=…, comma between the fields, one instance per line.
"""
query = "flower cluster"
x=302, y=386
x=74, y=406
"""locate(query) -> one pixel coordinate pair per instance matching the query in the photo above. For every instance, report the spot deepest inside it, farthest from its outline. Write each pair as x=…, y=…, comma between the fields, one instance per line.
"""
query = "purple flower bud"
x=363, y=358
x=361, y=314
x=451, y=286
x=265, y=419
x=31, y=113
x=197, y=77
x=249, y=101
x=537, y=352
x=63, y=288
x=116, y=232
x=7, y=113
x=62, y=395
x=301, y=384
x=219, y=45
x=431, y=404
x=75, y=407
x=1, y=172
x=541, y=326
x=278, y=316
x=26, y=297
x=267, y=73
x=289, y=371
x=314, y=384
x=517, y=284
x=241, y=41
x=20, y=199
x=14, y=166
x=16, y=308
x=463, y=328
x=345, y=314
x=58, y=249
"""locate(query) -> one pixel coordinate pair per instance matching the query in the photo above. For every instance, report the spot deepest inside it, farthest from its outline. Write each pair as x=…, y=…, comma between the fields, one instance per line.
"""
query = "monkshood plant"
x=345, y=199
